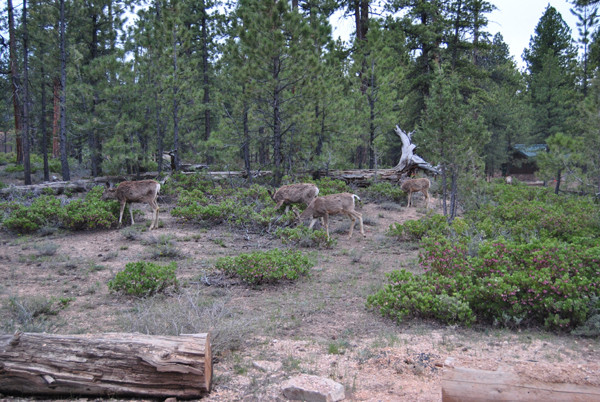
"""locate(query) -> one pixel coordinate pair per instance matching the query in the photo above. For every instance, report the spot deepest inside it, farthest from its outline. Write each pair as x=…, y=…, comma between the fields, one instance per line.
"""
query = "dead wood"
x=111, y=364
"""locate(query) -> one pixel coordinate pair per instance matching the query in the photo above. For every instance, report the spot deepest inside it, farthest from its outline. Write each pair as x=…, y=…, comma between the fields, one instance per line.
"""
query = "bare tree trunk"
x=175, y=105
x=246, y=146
x=277, y=133
x=43, y=119
x=372, y=98
x=15, y=81
x=66, y=174
x=26, y=143
x=558, y=179
x=56, y=118
x=205, y=75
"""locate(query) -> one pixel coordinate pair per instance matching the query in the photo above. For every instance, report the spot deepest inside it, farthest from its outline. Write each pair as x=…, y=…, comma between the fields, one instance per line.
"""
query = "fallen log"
x=463, y=384
x=102, y=365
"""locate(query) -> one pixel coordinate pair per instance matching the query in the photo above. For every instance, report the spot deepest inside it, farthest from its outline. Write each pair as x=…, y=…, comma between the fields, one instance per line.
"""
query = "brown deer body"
x=322, y=207
x=415, y=185
x=135, y=191
x=294, y=194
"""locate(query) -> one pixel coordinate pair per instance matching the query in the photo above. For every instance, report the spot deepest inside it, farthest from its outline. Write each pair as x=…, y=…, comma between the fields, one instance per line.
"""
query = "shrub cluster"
x=266, y=267
x=302, y=236
x=144, y=278
x=546, y=271
x=384, y=191
x=49, y=211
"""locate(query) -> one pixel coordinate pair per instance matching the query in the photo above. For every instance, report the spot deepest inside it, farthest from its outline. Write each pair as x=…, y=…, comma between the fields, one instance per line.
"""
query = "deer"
x=508, y=179
x=414, y=185
x=135, y=191
x=322, y=207
x=294, y=194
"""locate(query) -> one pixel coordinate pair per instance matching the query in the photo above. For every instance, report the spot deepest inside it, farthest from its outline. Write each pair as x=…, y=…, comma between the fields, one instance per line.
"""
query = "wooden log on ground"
x=466, y=385
x=102, y=365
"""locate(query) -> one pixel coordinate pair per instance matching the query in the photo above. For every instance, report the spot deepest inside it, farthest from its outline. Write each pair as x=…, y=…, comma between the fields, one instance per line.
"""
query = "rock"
x=312, y=388
x=266, y=365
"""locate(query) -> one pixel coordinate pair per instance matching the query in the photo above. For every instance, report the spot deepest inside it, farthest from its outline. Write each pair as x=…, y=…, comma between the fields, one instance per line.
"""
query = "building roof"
x=530, y=151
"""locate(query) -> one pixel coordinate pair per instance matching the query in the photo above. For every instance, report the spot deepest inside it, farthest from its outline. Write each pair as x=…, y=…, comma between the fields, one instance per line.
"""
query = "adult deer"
x=322, y=207
x=294, y=194
x=135, y=191
x=411, y=186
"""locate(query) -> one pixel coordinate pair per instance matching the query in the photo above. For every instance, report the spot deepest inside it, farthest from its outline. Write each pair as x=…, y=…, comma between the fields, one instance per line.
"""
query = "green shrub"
x=144, y=278
x=431, y=225
x=384, y=191
x=548, y=283
x=251, y=206
x=302, y=236
x=266, y=267
x=91, y=212
x=45, y=210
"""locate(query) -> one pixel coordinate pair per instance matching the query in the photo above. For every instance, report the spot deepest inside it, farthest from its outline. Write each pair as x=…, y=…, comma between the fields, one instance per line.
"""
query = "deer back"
x=329, y=204
x=296, y=193
x=134, y=191
x=413, y=185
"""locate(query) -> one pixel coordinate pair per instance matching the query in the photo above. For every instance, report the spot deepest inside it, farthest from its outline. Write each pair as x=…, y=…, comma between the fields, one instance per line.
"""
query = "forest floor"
x=318, y=325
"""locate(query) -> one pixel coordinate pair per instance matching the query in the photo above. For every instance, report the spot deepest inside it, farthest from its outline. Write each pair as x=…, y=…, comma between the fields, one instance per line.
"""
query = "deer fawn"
x=414, y=185
x=322, y=207
x=135, y=191
x=294, y=194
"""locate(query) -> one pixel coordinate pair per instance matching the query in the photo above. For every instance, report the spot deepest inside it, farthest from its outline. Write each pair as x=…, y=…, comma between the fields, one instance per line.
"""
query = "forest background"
x=263, y=85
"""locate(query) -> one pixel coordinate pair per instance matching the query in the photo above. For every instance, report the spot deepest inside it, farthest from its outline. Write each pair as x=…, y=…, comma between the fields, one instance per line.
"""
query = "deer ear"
x=107, y=184
x=296, y=212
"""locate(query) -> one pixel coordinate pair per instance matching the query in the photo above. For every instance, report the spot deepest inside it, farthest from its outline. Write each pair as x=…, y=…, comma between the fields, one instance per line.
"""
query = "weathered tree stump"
x=463, y=384
x=111, y=364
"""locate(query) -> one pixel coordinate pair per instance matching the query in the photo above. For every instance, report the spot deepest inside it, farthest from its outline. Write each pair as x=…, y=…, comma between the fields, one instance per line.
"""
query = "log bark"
x=465, y=385
x=110, y=364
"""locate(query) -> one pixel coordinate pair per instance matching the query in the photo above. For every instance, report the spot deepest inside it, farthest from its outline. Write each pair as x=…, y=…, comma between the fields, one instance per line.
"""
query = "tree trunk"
x=14, y=75
x=205, y=76
x=26, y=147
x=175, y=106
x=102, y=365
x=56, y=118
x=246, y=146
x=43, y=119
x=466, y=385
x=64, y=159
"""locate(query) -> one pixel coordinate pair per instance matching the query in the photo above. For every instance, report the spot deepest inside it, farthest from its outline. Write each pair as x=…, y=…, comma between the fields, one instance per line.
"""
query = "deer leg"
x=426, y=193
x=279, y=204
x=360, y=222
x=154, y=223
x=121, y=212
x=351, y=226
x=131, y=213
x=409, y=197
x=326, y=221
x=312, y=223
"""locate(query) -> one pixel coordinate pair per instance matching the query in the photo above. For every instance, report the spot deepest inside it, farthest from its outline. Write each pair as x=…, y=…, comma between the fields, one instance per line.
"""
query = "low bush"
x=302, y=236
x=144, y=279
x=519, y=257
x=549, y=283
x=266, y=267
x=49, y=211
x=384, y=191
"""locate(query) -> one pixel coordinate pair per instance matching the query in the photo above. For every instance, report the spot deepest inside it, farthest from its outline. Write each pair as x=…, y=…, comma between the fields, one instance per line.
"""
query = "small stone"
x=267, y=366
x=312, y=388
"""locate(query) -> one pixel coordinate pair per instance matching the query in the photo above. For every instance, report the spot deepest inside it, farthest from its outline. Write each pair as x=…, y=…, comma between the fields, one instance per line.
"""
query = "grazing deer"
x=322, y=207
x=414, y=185
x=135, y=191
x=294, y=194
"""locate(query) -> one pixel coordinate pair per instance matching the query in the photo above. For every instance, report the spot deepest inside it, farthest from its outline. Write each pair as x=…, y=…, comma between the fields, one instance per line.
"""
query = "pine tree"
x=551, y=62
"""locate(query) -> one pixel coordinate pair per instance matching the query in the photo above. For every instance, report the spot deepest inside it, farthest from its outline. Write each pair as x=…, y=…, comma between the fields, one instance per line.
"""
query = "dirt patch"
x=319, y=325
